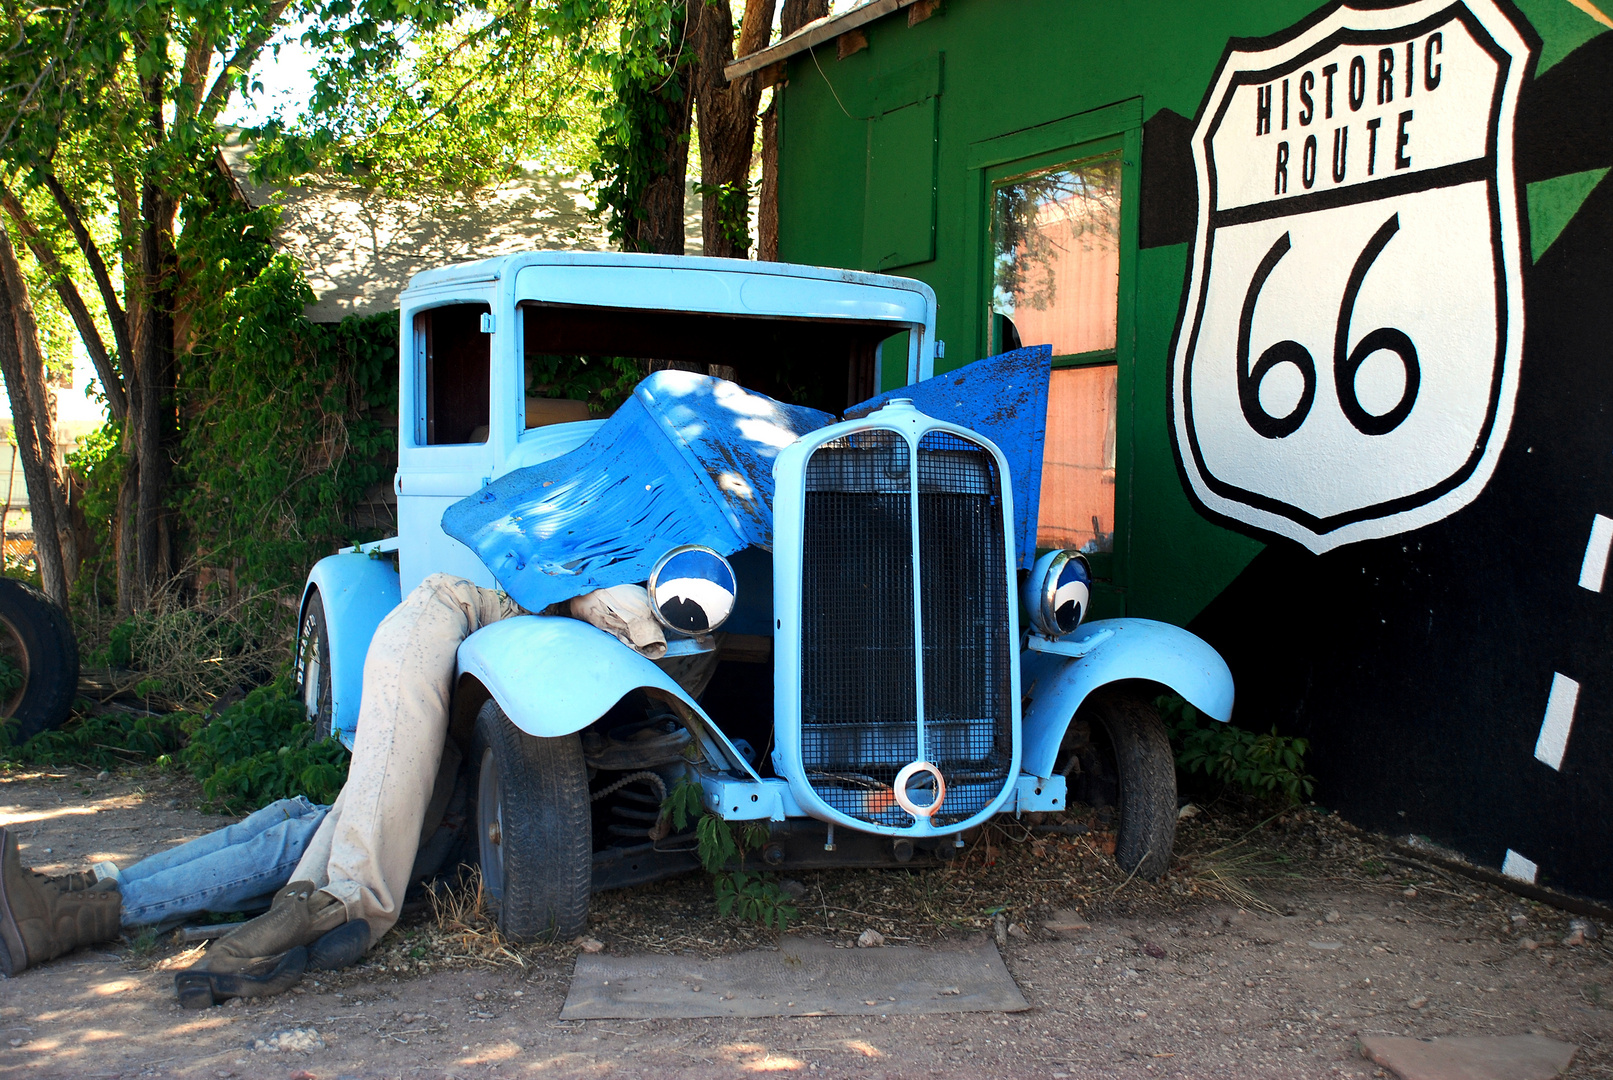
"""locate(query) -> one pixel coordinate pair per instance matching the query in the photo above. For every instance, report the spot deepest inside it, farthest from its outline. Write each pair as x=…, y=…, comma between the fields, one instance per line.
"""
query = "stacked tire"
x=36, y=640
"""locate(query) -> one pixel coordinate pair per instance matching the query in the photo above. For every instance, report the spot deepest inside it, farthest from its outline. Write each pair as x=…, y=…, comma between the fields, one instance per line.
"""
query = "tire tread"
x=548, y=828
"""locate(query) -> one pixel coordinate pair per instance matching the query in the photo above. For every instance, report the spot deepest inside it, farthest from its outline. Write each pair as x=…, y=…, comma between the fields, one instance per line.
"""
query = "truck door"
x=446, y=436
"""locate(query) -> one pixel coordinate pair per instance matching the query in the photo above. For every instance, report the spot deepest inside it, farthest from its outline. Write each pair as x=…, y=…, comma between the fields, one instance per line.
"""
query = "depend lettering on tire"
x=1347, y=355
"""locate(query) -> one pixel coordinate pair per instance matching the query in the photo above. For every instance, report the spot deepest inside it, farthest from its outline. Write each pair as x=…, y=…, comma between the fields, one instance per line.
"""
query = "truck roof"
x=501, y=265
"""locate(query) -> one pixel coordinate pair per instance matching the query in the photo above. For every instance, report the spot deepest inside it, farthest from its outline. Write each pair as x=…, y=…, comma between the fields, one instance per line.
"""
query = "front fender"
x=554, y=676
x=1112, y=650
x=358, y=591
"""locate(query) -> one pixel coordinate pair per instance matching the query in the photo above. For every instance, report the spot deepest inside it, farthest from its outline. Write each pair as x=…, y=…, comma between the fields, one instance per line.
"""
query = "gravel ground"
x=1268, y=951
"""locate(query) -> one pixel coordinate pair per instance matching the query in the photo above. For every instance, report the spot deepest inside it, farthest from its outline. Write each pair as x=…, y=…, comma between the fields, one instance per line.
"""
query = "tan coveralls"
x=365, y=849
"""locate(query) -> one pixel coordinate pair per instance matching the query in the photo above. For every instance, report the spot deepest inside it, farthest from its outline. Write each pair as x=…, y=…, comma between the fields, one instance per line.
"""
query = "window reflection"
x=1056, y=257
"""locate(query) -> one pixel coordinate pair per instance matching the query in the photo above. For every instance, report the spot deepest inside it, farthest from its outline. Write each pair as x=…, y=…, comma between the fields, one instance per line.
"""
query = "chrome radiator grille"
x=860, y=720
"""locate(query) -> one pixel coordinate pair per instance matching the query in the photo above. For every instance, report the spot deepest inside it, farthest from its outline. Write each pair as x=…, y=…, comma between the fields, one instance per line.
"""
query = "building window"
x=1055, y=266
x=1056, y=257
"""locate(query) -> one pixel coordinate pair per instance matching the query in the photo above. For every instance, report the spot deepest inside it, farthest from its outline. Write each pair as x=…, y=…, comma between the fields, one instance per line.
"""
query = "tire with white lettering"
x=1118, y=744
x=534, y=828
x=38, y=660
x=313, y=666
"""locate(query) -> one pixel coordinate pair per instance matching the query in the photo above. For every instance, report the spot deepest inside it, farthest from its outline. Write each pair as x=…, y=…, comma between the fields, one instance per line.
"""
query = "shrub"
x=101, y=741
x=750, y=895
x=261, y=749
x=1267, y=766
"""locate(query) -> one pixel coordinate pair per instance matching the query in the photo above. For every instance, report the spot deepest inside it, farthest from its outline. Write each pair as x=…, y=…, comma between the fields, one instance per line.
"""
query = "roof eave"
x=813, y=34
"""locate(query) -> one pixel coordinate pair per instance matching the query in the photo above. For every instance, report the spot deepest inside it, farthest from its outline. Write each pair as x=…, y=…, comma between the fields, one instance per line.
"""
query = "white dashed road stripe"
x=1518, y=867
x=1593, y=570
x=1553, y=741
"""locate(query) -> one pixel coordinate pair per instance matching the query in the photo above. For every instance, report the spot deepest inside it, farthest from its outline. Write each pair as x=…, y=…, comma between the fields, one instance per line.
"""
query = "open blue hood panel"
x=688, y=459
x=1004, y=398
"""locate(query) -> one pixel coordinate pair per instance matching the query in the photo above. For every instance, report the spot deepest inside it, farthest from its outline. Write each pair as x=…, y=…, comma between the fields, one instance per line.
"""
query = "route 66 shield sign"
x=1347, y=356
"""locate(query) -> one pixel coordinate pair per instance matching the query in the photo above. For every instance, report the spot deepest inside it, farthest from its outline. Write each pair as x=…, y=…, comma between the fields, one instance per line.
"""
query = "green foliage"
x=1269, y=765
x=642, y=74
x=749, y=895
x=11, y=678
x=472, y=102
x=181, y=654
x=102, y=741
x=603, y=382
x=281, y=439
x=256, y=751
x=733, y=208
x=754, y=898
x=261, y=749
x=100, y=465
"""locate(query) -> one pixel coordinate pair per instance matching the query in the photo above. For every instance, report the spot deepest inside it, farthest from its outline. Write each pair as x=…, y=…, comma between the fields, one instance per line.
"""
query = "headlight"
x=692, y=589
x=1058, y=592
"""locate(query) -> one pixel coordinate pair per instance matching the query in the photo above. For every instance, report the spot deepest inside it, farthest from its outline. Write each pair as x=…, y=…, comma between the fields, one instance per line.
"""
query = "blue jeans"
x=236, y=868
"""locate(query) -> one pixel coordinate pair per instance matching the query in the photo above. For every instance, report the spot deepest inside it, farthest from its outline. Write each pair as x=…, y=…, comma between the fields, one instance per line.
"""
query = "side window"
x=453, y=358
x=1055, y=277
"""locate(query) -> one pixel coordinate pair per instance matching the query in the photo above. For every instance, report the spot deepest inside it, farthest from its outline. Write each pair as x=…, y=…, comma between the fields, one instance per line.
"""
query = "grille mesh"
x=968, y=714
x=859, y=707
x=858, y=699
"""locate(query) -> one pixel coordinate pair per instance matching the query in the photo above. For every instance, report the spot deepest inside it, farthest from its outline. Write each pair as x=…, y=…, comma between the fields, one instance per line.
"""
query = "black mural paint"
x=1168, y=201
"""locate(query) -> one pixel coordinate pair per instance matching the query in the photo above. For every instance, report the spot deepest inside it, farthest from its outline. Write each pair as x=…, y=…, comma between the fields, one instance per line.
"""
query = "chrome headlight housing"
x=692, y=590
x=1058, y=592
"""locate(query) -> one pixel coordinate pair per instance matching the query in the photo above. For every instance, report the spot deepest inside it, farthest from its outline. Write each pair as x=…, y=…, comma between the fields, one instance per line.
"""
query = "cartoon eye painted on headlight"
x=692, y=589
x=1058, y=592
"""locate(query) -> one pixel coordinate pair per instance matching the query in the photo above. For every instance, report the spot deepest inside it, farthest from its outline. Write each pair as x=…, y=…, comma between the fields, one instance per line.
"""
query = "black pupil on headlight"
x=686, y=614
x=1068, y=616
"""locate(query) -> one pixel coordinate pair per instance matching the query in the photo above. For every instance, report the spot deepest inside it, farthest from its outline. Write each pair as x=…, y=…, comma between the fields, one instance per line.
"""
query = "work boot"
x=299, y=915
x=40, y=921
x=266, y=955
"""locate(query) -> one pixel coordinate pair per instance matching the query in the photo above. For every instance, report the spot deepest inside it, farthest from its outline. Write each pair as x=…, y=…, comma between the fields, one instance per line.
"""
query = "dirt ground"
x=1267, y=952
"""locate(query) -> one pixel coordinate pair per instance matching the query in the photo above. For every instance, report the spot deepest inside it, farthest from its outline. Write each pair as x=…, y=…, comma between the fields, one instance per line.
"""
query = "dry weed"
x=188, y=648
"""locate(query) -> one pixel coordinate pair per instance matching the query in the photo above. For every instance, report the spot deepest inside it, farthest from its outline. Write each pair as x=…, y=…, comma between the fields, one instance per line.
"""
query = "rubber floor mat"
x=802, y=977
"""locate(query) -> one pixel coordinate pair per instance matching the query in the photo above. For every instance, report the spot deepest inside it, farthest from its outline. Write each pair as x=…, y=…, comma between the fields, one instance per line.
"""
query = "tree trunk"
x=727, y=122
x=36, y=467
x=656, y=226
x=150, y=399
x=41, y=401
x=794, y=15
x=767, y=198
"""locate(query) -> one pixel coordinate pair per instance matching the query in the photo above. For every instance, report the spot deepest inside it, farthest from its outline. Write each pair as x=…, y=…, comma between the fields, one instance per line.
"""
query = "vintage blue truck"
x=865, y=652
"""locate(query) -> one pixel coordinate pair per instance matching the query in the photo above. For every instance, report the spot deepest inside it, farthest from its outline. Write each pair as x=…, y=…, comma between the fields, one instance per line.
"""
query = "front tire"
x=534, y=828
x=313, y=666
x=1128, y=742
x=41, y=655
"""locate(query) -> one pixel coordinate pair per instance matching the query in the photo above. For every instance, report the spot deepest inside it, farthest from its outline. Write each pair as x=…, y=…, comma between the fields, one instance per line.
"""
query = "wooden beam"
x=813, y=34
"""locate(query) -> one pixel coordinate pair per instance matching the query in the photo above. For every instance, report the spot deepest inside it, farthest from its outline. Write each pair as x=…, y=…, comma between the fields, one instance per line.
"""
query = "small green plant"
x=754, y=896
x=1269, y=765
x=261, y=749
x=11, y=677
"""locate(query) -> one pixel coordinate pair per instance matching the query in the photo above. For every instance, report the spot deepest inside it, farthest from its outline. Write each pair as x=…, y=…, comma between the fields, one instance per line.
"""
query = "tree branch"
x=191, y=76
x=111, y=383
x=92, y=256
x=241, y=62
